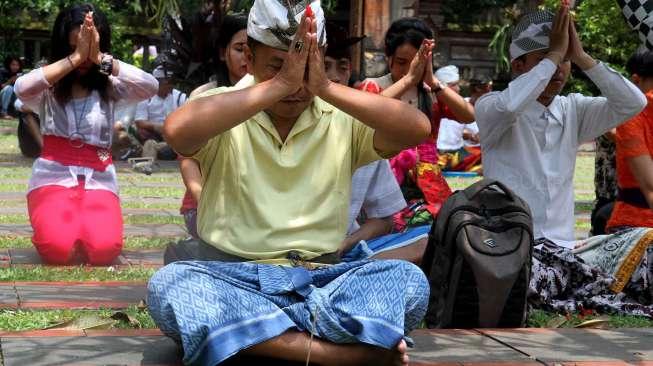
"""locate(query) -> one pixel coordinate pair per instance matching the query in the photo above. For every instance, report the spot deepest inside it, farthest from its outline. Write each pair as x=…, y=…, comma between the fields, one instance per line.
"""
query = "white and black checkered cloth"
x=639, y=15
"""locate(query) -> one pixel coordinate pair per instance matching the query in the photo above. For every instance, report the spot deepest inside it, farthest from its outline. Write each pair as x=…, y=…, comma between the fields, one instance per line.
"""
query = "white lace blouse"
x=90, y=117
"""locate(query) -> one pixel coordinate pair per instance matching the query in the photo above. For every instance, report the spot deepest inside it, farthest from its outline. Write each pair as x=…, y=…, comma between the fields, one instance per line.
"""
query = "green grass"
x=583, y=206
x=131, y=242
x=14, y=187
x=151, y=205
x=124, y=204
x=125, y=191
x=457, y=183
x=544, y=319
x=19, y=320
x=135, y=191
x=584, y=173
x=15, y=173
x=582, y=225
x=73, y=274
x=153, y=219
x=127, y=219
x=13, y=123
x=126, y=179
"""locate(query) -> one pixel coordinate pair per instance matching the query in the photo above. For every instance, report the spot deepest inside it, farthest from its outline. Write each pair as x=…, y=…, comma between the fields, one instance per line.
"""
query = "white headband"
x=275, y=22
x=448, y=74
x=160, y=73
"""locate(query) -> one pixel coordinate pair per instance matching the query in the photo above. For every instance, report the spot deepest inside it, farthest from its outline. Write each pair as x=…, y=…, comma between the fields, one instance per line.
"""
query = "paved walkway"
x=71, y=295
x=29, y=257
x=150, y=347
x=149, y=230
x=433, y=347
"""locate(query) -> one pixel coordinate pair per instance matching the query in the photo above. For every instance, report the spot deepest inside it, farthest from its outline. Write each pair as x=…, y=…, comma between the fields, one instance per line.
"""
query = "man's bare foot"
x=293, y=346
x=362, y=354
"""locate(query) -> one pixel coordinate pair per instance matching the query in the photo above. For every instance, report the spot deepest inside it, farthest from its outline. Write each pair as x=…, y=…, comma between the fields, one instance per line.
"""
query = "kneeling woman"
x=73, y=195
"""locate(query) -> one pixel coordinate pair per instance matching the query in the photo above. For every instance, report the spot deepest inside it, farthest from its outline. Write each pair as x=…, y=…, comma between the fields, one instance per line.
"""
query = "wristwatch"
x=441, y=86
x=106, y=65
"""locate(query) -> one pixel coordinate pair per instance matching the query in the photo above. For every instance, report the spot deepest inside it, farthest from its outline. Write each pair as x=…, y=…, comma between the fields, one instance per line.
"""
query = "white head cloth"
x=531, y=33
x=160, y=73
x=448, y=74
x=275, y=22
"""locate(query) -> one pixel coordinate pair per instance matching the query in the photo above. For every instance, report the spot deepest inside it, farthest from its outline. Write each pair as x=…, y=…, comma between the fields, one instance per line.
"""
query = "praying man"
x=277, y=153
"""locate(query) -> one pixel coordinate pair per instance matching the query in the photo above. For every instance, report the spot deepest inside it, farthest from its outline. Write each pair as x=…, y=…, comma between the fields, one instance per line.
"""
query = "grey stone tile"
x=144, y=257
x=31, y=256
x=458, y=346
x=551, y=345
x=142, y=350
x=8, y=296
x=22, y=210
x=91, y=296
x=152, y=230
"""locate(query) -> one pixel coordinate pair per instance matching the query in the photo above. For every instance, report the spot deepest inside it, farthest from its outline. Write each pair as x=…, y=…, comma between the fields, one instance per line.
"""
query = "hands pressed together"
x=88, y=43
x=304, y=65
x=565, y=45
x=421, y=67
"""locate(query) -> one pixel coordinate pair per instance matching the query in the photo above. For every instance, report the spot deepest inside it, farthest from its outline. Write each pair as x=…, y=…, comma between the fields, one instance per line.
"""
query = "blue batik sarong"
x=216, y=309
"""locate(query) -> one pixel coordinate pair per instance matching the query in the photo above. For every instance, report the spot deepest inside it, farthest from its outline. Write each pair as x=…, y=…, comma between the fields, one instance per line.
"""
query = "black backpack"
x=478, y=259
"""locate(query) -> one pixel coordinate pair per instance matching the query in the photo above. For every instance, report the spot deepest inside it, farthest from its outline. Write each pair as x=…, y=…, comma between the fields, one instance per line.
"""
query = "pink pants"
x=73, y=222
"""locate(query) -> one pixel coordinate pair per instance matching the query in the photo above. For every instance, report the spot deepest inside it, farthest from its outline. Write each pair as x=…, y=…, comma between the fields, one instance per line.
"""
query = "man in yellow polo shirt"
x=277, y=153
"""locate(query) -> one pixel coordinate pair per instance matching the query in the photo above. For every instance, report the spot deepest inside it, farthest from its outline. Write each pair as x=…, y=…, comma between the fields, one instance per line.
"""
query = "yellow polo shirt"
x=263, y=197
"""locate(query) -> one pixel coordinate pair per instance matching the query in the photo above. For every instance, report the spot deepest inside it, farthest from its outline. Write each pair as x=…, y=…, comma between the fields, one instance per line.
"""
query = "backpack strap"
x=476, y=188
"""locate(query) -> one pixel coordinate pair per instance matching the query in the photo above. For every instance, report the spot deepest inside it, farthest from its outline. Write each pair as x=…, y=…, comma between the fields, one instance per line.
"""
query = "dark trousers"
x=197, y=250
x=600, y=216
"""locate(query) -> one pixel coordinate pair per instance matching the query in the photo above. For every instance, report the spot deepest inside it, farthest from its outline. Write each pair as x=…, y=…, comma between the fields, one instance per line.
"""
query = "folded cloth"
x=368, y=248
x=588, y=277
x=616, y=254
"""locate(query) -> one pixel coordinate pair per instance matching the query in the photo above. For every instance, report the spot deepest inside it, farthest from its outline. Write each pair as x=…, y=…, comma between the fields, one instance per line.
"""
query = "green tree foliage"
x=160, y=8
x=470, y=11
x=16, y=14
x=605, y=35
x=602, y=29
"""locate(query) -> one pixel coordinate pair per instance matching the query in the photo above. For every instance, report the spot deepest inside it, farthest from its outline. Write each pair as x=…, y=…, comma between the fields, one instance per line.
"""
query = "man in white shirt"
x=530, y=135
x=454, y=153
x=150, y=115
x=478, y=87
x=375, y=193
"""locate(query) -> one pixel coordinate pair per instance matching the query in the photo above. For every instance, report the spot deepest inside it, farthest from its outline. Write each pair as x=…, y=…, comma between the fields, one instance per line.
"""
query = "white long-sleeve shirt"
x=91, y=116
x=532, y=148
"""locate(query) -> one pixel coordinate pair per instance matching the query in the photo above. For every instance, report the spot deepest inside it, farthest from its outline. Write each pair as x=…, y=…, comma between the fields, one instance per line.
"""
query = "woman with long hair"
x=232, y=67
x=409, y=50
x=73, y=194
x=13, y=69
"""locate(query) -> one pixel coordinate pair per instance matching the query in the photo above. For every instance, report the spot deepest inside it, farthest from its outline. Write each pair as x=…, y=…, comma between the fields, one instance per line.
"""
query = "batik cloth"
x=591, y=276
x=216, y=309
x=417, y=168
x=465, y=159
x=415, y=215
